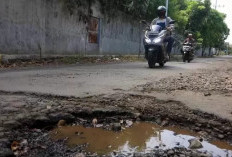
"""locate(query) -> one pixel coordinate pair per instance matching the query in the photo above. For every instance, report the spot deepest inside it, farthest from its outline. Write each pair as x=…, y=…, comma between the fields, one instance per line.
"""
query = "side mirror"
x=148, y=28
x=143, y=22
x=172, y=22
x=146, y=24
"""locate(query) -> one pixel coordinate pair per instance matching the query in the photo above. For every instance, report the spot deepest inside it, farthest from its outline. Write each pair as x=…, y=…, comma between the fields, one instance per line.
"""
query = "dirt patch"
x=73, y=60
x=33, y=116
x=217, y=81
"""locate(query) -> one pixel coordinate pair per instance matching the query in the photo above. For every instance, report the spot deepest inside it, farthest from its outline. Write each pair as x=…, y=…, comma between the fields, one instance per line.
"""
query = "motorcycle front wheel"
x=183, y=58
x=161, y=64
x=151, y=59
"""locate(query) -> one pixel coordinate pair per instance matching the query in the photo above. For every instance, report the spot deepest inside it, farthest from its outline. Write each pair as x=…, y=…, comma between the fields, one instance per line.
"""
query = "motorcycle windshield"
x=188, y=44
x=156, y=29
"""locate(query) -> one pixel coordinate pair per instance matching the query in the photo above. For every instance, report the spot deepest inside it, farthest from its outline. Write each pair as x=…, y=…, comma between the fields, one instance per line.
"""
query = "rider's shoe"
x=167, y=58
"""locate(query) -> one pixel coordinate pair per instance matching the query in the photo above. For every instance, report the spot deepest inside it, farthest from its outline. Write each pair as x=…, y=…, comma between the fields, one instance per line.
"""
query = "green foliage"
x=73, y=5
x=139, y=9
x=205, y=23
x=198, y=16
x=151, y=12
x=178, y=11
x=110, y=8
x=215, y=31
x=136, y=8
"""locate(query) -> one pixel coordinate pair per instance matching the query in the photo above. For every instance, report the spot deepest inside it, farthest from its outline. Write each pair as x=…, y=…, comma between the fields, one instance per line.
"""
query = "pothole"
x=142, y=137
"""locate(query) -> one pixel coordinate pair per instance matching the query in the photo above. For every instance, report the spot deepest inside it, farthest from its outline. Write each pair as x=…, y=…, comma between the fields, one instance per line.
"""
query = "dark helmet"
x=161, y=11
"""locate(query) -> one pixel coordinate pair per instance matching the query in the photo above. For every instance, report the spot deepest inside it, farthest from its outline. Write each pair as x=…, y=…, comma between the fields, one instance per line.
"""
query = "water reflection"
x=142, y=137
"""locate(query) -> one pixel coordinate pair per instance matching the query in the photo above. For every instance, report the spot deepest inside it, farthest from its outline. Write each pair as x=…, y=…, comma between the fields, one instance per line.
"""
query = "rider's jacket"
x=188, y=40
x=162, y=22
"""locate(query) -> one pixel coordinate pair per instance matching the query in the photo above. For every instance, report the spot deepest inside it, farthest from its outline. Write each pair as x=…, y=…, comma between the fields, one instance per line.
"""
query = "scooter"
x=155, y=47
x=187, y=53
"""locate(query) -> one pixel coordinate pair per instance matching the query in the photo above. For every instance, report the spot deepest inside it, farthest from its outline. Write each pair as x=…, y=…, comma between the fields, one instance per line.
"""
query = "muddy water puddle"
x=142, y=137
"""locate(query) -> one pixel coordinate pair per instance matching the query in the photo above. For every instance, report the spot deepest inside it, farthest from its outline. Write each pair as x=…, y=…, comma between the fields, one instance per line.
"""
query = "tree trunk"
x=216, y=51
x=203, y=51
x=210, y=48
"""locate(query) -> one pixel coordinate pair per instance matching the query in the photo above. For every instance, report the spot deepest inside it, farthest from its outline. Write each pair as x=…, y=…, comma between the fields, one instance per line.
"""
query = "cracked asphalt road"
x=86, y=80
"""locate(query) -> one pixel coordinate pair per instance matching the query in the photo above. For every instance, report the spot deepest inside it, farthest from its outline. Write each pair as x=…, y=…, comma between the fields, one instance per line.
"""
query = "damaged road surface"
x=84, y=80
x=118, y=110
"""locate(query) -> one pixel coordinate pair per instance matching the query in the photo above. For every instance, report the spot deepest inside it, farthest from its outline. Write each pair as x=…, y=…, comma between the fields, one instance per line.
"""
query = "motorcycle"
x=187, y=53
x=155, y=47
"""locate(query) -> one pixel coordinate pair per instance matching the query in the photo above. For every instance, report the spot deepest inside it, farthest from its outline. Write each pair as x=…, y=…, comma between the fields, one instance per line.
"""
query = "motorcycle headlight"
x=157, y=40
x=148, y=40
x=185, y=48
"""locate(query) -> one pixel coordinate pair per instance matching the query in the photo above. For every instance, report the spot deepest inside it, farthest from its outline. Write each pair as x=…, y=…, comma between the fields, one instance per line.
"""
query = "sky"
x=225, y=6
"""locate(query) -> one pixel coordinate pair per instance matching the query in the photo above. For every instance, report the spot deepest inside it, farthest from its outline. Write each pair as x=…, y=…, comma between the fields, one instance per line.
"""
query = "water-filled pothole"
x=142, y=137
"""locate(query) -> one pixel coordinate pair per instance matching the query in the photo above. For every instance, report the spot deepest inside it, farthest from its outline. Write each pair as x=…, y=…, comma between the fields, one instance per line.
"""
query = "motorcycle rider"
x=191, y=40
x=164, y=21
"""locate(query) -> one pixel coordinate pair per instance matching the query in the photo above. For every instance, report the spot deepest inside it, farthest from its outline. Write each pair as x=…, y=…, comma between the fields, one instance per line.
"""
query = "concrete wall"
x=21, y=25
x=120, y=36
x=30, y=26
x=34, y=26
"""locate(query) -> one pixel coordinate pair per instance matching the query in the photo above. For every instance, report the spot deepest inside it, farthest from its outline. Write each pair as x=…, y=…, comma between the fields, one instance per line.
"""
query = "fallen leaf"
x=15, y=146
x=61, y=123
